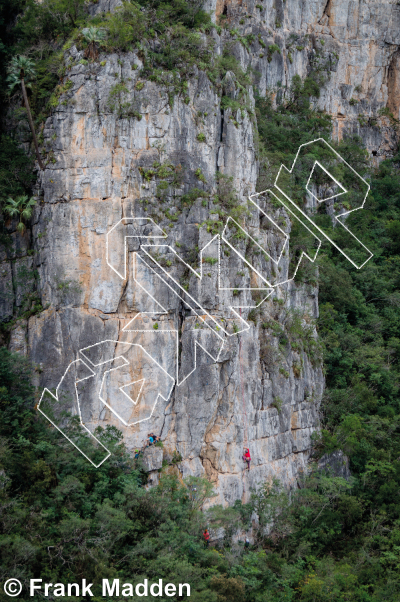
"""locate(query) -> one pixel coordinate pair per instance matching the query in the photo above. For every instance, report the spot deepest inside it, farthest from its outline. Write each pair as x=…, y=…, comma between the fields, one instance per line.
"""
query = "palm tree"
x=94, y=36
x=21, y=70
x=21, y=207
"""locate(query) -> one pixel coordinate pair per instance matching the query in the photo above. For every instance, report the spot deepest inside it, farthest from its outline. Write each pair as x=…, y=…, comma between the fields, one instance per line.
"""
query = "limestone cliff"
x=265, y=387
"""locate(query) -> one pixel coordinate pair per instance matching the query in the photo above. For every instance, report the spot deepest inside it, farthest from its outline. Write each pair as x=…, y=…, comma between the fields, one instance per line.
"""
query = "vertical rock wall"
x=263, y=391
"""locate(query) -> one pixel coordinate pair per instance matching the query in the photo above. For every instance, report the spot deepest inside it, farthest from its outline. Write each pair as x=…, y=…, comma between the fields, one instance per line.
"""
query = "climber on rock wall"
x=246, y=457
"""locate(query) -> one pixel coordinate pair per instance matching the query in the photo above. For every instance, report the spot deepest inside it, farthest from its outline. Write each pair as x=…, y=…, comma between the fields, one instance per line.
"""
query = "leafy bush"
x=64, y=519
x=272, y=48
x=277, y=404
x=21, y=207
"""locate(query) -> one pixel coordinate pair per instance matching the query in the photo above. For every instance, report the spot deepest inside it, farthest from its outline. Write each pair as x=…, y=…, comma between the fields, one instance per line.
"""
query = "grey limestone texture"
x=260, y=392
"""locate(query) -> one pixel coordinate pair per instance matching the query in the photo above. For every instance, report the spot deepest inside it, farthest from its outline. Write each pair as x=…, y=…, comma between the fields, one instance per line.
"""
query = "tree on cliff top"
x=93, y=36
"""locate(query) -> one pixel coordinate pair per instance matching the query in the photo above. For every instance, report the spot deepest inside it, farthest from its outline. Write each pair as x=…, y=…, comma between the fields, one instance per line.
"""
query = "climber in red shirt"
x=247, y=457
x=206, y=536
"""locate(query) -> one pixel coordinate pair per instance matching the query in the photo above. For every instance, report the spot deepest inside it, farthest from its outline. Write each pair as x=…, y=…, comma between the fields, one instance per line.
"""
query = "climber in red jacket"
x=247, y=457
x=206, y=536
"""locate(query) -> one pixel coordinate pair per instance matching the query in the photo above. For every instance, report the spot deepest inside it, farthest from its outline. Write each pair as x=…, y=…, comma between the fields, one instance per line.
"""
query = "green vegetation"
x=271, y=51
x=200, y=176
x=352, y=554
x=21, y=207
x=277, y=404
x=16, y=170
x=294, y=115
x=226, y=204
x=190, y=197
x=21, y=70
x=118, y=101
x=333, y=540
x=360, y=328
x=386, y=112
x=44, y=31
x=281, y=132
x=93, y=36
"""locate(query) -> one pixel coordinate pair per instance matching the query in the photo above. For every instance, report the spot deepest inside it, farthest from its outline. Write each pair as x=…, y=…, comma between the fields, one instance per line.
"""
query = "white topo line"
x=177, y=289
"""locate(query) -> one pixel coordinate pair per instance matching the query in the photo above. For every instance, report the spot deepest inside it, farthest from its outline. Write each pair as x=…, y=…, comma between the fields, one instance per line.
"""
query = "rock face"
x=357, y=42
x=336, y=464
x=262, y=387
x=152, y=458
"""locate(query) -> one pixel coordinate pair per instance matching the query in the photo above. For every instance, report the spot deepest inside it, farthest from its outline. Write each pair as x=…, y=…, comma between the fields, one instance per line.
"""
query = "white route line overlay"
x=132, y=220
x=96, y=365
x=336, y=218
x=331, y=176
x=121, y=356
x=79, y=411
x=269, y=286
x=303, y=253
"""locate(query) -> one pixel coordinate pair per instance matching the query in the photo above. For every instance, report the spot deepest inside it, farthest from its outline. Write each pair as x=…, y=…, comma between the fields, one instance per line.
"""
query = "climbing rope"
x=244, y=413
